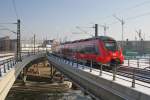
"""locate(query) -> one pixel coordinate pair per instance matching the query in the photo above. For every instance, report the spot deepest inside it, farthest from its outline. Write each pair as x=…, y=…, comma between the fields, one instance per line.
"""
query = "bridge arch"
x=7, y=80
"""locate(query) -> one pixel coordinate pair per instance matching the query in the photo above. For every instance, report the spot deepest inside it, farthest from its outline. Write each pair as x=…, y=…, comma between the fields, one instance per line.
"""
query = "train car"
x=100, y=50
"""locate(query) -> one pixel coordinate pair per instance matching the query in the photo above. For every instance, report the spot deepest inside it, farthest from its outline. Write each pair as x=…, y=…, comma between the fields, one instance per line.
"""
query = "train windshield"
x=111, y=45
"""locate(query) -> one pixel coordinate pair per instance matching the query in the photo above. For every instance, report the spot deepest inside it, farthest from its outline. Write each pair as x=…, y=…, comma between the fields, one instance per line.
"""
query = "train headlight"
x=114, y=54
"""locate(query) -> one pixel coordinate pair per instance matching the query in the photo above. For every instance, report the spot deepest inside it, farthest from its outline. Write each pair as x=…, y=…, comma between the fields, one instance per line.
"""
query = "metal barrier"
x=139, y=63
x=7, y=64
x=112, y=72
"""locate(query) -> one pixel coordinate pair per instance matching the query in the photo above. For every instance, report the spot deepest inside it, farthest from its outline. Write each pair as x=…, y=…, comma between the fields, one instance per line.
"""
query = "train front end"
x=112, y=53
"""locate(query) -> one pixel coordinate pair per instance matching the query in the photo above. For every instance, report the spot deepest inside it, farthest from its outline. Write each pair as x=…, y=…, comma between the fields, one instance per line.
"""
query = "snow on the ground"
x=6, y=54
x=143, y=63
x=4, y=58
x=140, y=86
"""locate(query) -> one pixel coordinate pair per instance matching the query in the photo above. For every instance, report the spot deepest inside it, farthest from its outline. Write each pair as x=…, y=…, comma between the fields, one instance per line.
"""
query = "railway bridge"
x=99, y=83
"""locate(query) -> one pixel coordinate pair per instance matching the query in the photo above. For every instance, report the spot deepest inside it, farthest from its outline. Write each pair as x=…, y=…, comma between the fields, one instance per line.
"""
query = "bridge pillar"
x=61, y=78
x=36, y=69
x=24, y=75
x=44, y=63
x=52, y=71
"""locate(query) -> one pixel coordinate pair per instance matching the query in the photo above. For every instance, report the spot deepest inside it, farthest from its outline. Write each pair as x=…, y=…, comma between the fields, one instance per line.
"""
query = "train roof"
x=103, y=38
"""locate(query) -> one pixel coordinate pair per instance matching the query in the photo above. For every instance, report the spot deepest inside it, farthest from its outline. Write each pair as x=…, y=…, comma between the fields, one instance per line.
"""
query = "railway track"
x=139, y=74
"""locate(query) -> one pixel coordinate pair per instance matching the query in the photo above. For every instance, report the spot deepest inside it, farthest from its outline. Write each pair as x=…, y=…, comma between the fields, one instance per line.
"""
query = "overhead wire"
x=132, y=18
x=134, y=6
x=16, y=14
x=15, y=9
x=128, y=9
x=138, y=16
x=8, y=23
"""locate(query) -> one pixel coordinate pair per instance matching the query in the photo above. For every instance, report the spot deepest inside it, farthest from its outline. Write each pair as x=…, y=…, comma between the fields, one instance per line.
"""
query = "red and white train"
x=101, y=50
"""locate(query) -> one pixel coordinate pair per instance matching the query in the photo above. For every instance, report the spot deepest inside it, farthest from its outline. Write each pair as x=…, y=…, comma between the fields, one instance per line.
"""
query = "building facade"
x=7, y=44
x=141, y=47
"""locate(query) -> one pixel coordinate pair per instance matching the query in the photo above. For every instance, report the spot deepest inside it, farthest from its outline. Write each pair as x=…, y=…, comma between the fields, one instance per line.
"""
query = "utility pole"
x=105, y=28
x=96, y=30
x=18, y=58
x=34, y=43
x=141, y=47
x=46, y=43
x=122, y=28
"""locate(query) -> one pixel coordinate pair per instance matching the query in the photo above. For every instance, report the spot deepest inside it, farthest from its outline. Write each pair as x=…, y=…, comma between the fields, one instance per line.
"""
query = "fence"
x=113, y=73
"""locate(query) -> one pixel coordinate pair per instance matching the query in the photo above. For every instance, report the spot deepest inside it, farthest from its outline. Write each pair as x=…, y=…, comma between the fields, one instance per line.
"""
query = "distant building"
x=47, y=42
x=142, y=47
x=7, y=44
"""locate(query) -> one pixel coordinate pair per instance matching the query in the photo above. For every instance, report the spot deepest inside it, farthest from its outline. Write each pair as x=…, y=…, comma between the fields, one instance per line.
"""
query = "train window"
x=90, y=49
x=82, y=50
x=111, y=45
x=96, y=50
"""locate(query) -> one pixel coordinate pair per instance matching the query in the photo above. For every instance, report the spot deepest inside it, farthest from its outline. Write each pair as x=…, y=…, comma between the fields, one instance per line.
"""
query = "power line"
x=137, y=16
x=135, y=6
x=7, y=29
x=14, y=7
x=132, y=18
x=5, y=34
x=8, y=23
x=141, y=4
x=128, y=9
x=81, y=29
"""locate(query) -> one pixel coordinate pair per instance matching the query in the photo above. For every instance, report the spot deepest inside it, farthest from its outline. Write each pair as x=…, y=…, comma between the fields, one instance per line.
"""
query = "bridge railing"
x=132, y=77
x=7, y=64
x=143, y=63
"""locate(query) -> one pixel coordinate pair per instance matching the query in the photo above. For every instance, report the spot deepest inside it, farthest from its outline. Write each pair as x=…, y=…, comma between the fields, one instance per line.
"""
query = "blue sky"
x=59, y=18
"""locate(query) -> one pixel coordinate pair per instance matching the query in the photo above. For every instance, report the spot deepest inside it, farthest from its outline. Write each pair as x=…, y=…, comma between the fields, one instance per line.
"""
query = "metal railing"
x=6, y=65
x=9, y=63
x=139, y=63
x=114, y=73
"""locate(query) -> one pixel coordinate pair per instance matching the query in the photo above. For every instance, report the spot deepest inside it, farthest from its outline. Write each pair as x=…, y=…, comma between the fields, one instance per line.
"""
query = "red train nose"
x=113, y=54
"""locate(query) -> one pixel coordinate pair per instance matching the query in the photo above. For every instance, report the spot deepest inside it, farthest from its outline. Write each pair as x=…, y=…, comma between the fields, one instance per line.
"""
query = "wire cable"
x=138, y=16
x=135, y=6
x=131, y=18
x=127, y=9
x=14, y=7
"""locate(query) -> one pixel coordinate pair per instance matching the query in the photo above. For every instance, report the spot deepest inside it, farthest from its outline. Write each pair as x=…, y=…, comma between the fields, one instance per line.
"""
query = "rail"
x=134, y=78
